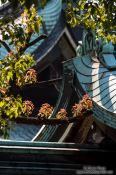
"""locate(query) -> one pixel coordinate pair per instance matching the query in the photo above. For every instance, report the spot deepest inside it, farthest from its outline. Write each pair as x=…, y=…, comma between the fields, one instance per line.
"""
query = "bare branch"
x=5, y=46
x=43, y=36
x=22, y=50
x=51, y=121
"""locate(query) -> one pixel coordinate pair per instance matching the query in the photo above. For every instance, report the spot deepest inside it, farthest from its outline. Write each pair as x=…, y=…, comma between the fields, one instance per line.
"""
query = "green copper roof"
x=100, y=83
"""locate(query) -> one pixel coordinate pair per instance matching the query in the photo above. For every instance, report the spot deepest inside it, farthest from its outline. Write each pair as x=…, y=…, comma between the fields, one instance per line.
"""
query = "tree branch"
x=40, y=83
x=51, y=121
x=5, y=45
x=43, y=36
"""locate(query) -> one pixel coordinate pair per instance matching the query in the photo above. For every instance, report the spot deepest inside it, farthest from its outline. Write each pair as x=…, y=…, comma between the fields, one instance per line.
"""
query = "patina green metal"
x=62, y=102
x=95, y=69
x=26, y=158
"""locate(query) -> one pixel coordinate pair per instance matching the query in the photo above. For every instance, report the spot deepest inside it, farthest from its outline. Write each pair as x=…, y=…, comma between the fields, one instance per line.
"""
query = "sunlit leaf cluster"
x=45, y=111
x=11, y=107
x=62, y=114
x=18, y=32
x=11, y=66
x=80, y=108
x=15, y=36
x=99, y=15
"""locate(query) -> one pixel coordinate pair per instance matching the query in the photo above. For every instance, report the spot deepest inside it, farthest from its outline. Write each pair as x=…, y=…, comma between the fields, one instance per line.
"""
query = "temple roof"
x=97, y=81
x=100, y=83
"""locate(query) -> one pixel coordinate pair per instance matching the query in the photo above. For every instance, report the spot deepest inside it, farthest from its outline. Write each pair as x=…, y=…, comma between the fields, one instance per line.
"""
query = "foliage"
x=62, y=114
x=15, y=36
x=26, y=3
x=11, y=106
x=78, y=110
x=10, y=66
x=99, y=15
x=85, y=104
x=28, y=107
x=16, y=68
x=31, y=76
x=45, y=111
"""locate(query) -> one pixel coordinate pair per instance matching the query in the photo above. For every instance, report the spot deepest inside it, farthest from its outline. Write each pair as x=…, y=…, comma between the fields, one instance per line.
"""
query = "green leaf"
x=1, y=104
